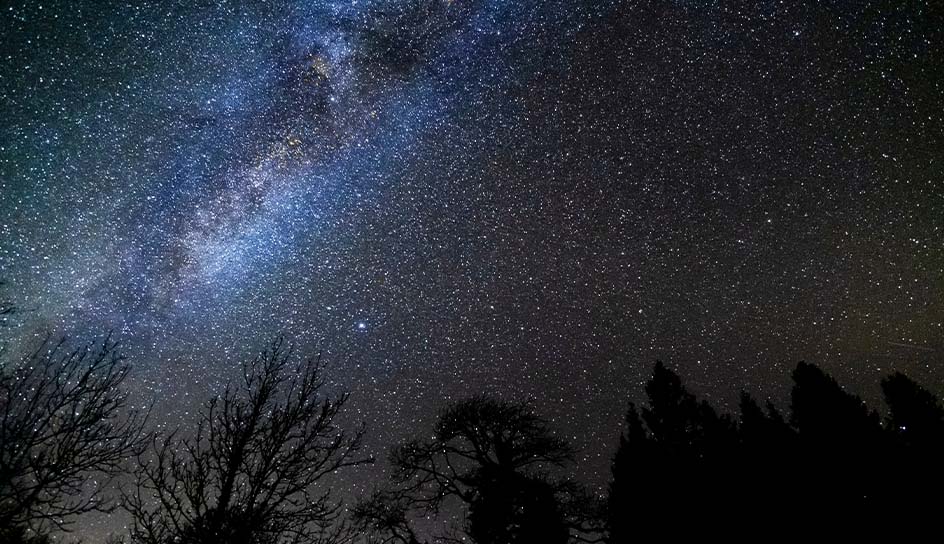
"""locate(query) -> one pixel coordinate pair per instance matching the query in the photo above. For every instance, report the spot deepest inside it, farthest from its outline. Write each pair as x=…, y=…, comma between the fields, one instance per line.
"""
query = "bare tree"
x=492, y=457
x=65, y=433
x=384, y=518
x=253, y=469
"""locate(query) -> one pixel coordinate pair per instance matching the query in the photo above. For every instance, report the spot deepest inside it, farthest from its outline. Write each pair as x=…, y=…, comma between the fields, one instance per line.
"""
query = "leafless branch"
x=255, y=465
x=66, y=431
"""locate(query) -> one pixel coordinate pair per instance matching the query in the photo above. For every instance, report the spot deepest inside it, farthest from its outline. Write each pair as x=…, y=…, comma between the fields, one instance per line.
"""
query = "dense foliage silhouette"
x=831, y=460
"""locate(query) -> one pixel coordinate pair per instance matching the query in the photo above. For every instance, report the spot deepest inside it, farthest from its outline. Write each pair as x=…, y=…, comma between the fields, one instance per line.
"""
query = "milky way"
x=535, y=200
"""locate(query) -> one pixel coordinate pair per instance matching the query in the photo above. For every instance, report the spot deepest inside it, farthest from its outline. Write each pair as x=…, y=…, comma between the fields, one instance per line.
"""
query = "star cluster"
x=534, y=200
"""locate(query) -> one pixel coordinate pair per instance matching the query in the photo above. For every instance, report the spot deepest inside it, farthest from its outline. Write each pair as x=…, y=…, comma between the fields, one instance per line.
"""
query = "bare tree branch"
x=491, y=457
x=66, y=432
x=254, y=469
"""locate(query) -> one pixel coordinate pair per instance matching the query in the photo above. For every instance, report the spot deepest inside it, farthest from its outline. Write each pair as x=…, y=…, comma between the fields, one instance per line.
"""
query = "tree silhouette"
x=916, y=416
x=631, y=478
x=915, y=426
x=767, y=463
x=679, y=424
x=489, y=455
x=759, y=428
x=512, y=507
x=822, y=411
x=384, y=517
x=671, y=460
x=254, y=469
x=19, y=534
x=64, y=418
x=831, y=461
x=839, y=444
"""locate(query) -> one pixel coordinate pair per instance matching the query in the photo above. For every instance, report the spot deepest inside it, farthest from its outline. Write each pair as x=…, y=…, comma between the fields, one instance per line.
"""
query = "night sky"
x=533, y=200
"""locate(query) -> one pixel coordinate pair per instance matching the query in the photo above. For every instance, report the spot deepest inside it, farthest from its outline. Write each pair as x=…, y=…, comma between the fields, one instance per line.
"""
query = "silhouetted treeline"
x=254, y=465
x=828, y=459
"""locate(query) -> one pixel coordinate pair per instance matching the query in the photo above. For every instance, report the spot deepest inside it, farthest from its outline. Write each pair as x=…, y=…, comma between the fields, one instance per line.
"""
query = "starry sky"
x=533, y=200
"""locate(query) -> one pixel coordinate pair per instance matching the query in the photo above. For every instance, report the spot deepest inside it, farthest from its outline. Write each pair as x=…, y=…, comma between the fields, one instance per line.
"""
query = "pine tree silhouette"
x=916, y=416
x=831, y=461
x=674, y=460
x=839, y=443
x=915, y=428
x=631, y=481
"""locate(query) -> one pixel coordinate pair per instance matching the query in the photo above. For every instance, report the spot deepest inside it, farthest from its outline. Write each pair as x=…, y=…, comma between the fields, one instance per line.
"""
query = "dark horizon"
x=271, y=459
